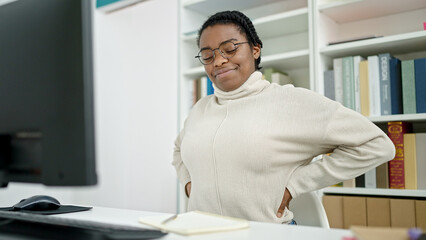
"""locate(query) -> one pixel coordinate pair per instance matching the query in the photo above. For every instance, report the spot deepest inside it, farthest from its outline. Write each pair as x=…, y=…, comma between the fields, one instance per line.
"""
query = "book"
x=357, y=88
x=408, y=87
x=348, y=82
x=194, y=222
x=329, y=84
x=410, y=168
x=385, y=101
x=350, y=183
x=370, y=179
x=420, y=75
x=280, y=78
x=268, y=72
x=360, y=181
x=395, y=85
x=364, y=86
x=421, y=160
x=338, y=80
x=382, y=176
x=396, y=131
x=415, y=160
x=210, y=89
x=374, y=85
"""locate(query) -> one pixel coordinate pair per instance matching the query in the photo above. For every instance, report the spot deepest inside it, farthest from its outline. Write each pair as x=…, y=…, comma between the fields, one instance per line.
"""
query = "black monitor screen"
x=46, y=93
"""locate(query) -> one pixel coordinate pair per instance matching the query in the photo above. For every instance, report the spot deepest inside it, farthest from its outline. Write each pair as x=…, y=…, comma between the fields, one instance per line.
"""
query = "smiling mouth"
x=224, y=73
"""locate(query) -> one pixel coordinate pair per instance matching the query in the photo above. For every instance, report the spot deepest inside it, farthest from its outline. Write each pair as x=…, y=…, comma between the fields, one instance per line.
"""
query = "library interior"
x=117, y=122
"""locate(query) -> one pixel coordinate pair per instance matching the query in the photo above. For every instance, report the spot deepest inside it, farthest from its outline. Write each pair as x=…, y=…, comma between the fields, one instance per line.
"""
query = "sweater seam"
x=214, y=161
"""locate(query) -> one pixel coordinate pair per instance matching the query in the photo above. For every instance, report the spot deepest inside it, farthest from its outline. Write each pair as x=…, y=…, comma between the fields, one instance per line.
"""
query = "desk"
x=256, y=231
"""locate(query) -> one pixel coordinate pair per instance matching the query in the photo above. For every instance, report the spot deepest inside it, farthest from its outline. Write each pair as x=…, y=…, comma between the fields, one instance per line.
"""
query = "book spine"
x=370, y=179
x=360, y=181
x=329, y=90
x=210, y=89
x=348, y=82
x=408, y=87
x=364, y=88
x=203, y=87
x=374, y=83
x=386, y=107
x=357, y=88
x=338, y=80
x=420, y=76
x=382, y=176
x=395, y=85
x=396, y=132
x=421, y=160
x=410, y=168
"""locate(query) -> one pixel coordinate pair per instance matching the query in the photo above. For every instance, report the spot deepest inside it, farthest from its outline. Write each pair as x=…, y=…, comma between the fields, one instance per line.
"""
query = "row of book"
x=199, y=88
x=347, y=211
x=379, y=85
x=406, y=171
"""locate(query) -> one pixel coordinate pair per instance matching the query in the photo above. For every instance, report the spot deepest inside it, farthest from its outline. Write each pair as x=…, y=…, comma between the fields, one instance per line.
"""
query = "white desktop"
x=257, y=230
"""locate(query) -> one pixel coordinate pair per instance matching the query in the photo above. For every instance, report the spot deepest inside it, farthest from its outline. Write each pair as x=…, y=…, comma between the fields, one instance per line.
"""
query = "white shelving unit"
x=296, y=36
x=398, y=27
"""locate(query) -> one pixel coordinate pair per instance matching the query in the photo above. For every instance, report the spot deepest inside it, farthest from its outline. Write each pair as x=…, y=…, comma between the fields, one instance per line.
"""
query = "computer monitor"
x=46, y=93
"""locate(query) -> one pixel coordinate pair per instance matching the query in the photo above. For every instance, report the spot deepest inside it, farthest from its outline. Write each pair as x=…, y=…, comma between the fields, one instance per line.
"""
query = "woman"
x=246, y=151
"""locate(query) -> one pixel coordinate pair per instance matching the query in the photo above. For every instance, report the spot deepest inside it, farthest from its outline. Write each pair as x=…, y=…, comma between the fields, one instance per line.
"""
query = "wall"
x=135, y=52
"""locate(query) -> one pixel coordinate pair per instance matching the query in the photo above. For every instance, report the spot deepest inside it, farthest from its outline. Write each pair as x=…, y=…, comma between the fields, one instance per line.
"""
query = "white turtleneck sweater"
x=241, y=149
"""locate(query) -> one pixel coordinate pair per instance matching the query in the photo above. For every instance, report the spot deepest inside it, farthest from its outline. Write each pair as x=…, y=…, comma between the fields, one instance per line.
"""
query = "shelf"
x=289, y=60
x=195, y=72
x=354, y=10
x=207, y=8
x=375, y=192
x=419, y=117
x=282, y=23
x=282, y=61
x=395, y=44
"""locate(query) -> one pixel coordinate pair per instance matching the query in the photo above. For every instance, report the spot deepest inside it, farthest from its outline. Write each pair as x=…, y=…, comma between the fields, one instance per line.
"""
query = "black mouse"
x=37, y=203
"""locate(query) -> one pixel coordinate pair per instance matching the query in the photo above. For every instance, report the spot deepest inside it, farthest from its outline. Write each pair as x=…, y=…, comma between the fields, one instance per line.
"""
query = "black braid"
x=241, y=21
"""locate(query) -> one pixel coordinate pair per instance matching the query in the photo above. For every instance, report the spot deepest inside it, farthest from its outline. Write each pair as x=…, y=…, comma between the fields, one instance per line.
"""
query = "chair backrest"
x=309, y=211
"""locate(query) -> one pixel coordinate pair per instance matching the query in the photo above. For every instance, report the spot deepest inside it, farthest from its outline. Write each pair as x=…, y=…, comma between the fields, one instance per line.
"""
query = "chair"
x=309, y=211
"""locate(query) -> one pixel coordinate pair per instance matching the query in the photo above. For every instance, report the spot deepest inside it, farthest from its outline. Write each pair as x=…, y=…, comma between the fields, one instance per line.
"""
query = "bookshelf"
x=398, y=29
x=406, y=193
x=296, y=34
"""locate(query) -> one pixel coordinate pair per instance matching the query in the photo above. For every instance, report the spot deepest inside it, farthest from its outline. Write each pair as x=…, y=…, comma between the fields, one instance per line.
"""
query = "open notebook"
x=195, y=222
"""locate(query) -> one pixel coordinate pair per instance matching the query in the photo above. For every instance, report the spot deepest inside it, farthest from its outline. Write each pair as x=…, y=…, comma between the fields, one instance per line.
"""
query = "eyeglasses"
x=226, y=49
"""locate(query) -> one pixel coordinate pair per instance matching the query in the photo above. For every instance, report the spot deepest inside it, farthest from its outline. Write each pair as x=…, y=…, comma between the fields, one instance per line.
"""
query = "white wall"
x=136, y=112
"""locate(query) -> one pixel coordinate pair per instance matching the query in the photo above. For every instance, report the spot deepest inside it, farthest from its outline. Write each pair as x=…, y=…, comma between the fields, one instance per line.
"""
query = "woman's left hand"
x=284, y=203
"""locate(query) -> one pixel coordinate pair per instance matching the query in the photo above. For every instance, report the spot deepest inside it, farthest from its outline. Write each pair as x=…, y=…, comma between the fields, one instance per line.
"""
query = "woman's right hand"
x=188, y=189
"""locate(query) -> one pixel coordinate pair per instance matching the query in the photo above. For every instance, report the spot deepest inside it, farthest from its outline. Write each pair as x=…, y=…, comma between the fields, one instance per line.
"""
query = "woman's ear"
x=256, y=51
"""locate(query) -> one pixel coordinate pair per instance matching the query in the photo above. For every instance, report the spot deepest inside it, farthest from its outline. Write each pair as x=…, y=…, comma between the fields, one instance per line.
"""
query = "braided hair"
x=241, y=21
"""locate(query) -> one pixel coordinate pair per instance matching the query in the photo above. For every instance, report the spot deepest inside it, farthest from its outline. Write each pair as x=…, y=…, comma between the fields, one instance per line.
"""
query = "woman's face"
x=228, y=74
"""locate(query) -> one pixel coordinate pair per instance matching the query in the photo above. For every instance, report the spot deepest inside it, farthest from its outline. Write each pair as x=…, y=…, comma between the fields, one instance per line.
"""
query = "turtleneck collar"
x=254, y=85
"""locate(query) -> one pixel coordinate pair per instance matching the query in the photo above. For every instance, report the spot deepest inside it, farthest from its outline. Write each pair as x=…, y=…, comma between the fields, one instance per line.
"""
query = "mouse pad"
x=61, y=209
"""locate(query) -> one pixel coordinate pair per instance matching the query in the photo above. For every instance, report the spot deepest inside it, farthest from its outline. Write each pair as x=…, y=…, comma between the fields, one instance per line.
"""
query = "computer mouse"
x=38, y=203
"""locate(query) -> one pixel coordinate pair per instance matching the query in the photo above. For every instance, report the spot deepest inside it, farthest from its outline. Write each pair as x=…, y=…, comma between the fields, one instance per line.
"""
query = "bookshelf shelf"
x=419, y=117
x=356, y=10
x=401, y=43
x=288, y=60
x=375, y=192
x=274, y=25
x=194, y=72
x=207, y=7
x=284, y=23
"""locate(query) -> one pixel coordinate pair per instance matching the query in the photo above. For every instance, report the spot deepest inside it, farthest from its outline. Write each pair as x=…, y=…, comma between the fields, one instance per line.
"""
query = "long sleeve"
x=181, y=170
x=358, y=146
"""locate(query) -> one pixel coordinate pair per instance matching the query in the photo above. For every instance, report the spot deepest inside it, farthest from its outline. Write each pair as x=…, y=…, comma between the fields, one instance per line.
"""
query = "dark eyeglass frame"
x=220, y=52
